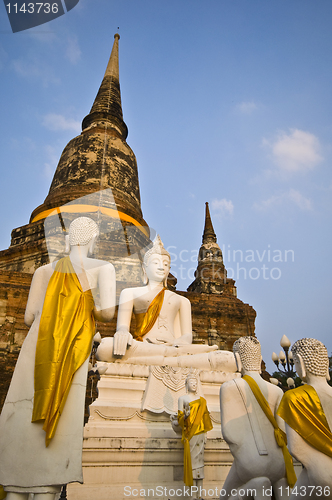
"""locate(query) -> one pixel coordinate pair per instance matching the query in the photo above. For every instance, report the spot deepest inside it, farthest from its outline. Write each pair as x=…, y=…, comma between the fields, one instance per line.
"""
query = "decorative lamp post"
x=285, y=342
x=95, y=370
x=285, y=357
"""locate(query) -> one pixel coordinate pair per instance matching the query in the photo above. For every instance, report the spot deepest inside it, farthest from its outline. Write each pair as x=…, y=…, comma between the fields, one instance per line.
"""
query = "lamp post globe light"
x=285, y=358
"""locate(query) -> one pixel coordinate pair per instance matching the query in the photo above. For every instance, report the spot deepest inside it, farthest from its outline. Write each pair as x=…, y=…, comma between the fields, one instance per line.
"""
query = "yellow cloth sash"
x=279, y=435
x=64, y=343
x=199, y=421
x=145, y=321
x=302, y=411
x=3, y=494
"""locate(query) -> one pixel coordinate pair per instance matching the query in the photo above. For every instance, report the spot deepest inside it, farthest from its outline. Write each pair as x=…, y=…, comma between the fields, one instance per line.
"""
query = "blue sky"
x=226, y=101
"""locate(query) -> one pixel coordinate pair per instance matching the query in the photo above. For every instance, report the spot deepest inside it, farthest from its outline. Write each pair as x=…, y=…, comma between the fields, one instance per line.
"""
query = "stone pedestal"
x=129, y=452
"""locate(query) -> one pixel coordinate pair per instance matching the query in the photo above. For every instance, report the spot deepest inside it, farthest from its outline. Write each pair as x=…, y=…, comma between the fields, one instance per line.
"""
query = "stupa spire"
x=113, y=63
x=211, y=275
x=208, y=235
x=106, y=110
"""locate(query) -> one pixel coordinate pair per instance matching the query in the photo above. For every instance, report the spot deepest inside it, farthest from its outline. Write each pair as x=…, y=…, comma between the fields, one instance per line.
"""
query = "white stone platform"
x=127, y=449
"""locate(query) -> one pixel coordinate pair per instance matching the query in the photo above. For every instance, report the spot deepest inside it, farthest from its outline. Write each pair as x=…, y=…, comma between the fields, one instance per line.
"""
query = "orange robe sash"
x=145, y=321
x=64, y=342
x=302, y=411
x=279, y=435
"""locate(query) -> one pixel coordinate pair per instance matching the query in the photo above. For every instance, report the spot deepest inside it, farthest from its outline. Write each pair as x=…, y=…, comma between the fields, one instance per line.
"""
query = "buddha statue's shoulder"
x=323, y=389
x=186, y=399
x=133, y=292
x=272, y=393
x=44, y=272
x=92, y=264
x=324, y=392
x=269, y=391
x=173, y=296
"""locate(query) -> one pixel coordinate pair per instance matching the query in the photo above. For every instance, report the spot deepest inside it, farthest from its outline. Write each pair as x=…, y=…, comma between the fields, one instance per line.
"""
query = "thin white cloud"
x=292, y=196
x=32, y=69
x=53, y=121
x=42, y=34
x=299, y=200
x=23, y=68
x=223, y=207
x=73, y=52
x=246, y=107
x=295, y=152
x=22, y=143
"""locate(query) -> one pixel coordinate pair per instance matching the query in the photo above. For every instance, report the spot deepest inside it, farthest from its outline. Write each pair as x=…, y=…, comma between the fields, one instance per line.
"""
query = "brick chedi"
x=219, y=317
x=211, y=275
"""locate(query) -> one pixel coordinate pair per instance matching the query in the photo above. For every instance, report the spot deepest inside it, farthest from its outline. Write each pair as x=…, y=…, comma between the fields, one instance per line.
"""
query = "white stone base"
x=129, y=453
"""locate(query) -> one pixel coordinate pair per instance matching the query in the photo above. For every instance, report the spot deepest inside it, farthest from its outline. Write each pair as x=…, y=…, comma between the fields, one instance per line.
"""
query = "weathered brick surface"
x=220, y=319
x=14, y=289
x=88, y=160
x=7, y=365
x=27, y=251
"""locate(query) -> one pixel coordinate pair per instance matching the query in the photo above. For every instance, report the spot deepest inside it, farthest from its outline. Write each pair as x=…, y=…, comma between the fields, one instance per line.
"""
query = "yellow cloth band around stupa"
x=78, y=208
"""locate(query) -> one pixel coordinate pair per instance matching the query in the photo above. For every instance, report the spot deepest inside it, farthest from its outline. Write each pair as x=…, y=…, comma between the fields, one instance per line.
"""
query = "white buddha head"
x=156, y=263
x=82, y=231
x=191, y=382
x=247, y=352
x=310, y=356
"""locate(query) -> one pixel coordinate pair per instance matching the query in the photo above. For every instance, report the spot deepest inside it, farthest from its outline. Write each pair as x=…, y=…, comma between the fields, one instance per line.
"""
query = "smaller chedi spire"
x=208, y=235
x=211, y=274
x=106, y=110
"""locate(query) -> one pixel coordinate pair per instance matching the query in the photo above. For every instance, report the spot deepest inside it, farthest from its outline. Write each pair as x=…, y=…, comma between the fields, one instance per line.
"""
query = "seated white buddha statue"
x=307, y=411
x=163, y=333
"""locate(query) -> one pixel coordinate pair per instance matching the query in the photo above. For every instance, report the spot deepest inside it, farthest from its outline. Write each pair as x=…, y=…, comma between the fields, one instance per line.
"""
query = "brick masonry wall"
x=14, y=290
